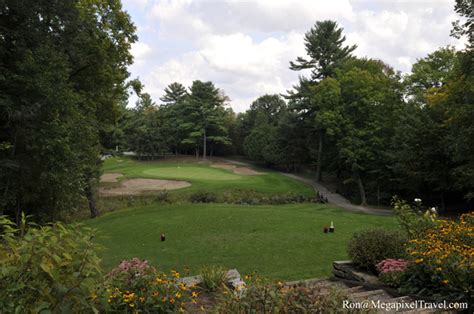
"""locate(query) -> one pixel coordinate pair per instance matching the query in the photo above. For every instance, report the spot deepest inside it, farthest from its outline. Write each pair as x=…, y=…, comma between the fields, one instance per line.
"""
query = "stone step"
x=309, y=282
x=353, y=290
x=371, y=295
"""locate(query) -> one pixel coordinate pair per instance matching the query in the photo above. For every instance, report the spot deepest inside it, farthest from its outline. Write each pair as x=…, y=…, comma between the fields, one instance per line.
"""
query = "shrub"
x=369, y=247
x=443, y=261
x=135, y=285
x=203, y=197
x=47, y=268
x=252, y=197
x=213, y=277
x=391, y=271
x=163, y=196
x=262, y=296
x=412, y=219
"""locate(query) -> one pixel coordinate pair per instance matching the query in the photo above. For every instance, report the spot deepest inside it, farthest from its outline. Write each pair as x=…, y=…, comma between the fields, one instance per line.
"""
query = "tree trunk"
x=363, y=197
x=443, y=205
x=91, y=200
x=378, y=194
x=320, y=154
x=197, y=152
x=204, y=144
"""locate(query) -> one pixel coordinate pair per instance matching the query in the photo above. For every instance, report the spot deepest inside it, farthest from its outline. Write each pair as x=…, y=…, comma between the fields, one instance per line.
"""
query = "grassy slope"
x=282, y=242
x=204, y=177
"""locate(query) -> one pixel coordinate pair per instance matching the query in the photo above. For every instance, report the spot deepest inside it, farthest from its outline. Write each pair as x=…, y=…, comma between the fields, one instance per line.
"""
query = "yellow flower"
x=446, y=281
x=142, y=299
x=439, y=269
x=131, y=305
x=419, y=260
x=172, y=301
x=177, y=295
x=194, y=294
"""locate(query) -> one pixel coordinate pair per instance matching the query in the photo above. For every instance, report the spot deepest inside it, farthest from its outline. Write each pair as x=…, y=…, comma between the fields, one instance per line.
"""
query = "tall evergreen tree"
x=205, y=116
x=174, y=93
x=325, y=48
x=324, y=45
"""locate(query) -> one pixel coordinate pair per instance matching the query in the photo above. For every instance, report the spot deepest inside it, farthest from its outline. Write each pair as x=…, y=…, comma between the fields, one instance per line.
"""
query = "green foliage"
x=412, y=219
x=252, y=197
x=213, y=277
x=64, y=66
x=324, y=46
x=442, y=259
x=263, y=296
x=368, y=247
x=174, y=93
x=145, y=131
x=203, y=197
x=49, y=268
x=392, y=279
x=134, y=285
x=205, y=116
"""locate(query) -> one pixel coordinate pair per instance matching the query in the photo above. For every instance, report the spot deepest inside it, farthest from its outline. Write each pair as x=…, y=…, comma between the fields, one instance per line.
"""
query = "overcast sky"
x=244, y=46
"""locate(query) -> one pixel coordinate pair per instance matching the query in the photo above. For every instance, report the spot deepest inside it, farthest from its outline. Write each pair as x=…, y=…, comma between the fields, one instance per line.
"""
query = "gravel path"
x=333, y=198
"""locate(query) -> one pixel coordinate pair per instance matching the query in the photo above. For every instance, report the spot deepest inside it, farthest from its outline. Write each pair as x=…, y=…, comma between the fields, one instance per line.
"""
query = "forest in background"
x=372, y=130
x=63, y=102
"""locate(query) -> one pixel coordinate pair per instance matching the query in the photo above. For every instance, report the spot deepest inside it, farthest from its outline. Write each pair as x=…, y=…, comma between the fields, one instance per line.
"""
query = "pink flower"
x=392, y=265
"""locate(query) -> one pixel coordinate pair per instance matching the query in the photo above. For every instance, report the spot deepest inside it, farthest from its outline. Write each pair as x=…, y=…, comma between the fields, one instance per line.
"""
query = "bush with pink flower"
x=134, y=285
x=391, y=271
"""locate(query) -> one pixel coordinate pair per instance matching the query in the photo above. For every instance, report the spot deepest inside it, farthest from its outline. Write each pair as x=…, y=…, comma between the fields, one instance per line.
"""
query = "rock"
x=191, y=281
x=233, y=273
x=346, y=270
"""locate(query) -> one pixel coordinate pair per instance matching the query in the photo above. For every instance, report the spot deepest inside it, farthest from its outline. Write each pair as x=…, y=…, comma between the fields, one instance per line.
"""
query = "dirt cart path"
x=333, y=198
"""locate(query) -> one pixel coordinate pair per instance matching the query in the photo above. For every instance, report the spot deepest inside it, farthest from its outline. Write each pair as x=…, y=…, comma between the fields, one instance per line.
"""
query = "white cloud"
x=140, y=4
x=402, y=32
x=176, y=19
x=140, y=51
x=244, y=47
x=243, y=68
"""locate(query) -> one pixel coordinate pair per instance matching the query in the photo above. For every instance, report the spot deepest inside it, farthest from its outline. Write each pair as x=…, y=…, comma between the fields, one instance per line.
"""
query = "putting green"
x=203, y=176
x=193, y=173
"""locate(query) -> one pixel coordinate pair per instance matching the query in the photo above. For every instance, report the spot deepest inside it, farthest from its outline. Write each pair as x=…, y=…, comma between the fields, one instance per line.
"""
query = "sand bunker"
x=137, y=186
x=237, y=170
x=110, y=177
x=247, y=171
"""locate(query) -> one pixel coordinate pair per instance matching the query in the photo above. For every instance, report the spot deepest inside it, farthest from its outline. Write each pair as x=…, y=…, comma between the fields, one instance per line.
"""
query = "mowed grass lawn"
x=281, y=242
x=204, y=177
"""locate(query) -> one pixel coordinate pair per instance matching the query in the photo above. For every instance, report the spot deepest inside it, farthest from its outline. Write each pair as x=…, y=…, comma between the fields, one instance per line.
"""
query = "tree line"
x=372, y=130
x=64, y=90
x=194, y=121
x=379, y=132
x=63, y=75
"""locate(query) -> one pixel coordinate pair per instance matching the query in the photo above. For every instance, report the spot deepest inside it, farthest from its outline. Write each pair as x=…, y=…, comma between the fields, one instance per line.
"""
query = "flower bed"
x=134, y=284
x=443, y=260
